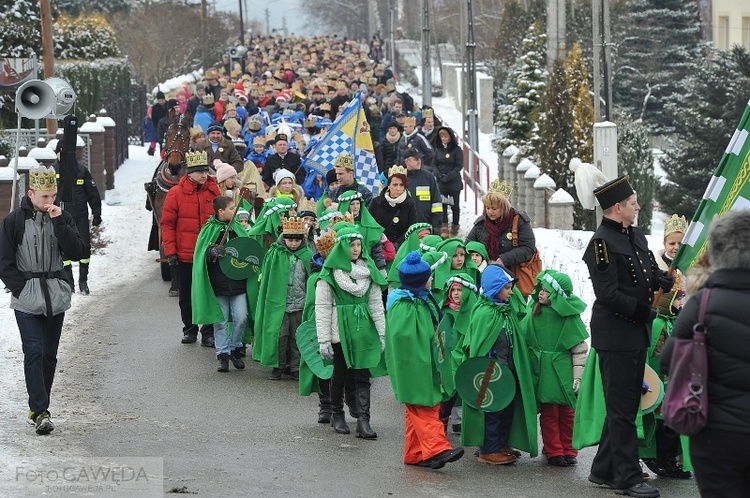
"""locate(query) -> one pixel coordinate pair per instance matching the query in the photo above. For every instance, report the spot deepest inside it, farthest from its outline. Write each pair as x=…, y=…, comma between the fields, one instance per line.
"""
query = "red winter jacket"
x=186, y=210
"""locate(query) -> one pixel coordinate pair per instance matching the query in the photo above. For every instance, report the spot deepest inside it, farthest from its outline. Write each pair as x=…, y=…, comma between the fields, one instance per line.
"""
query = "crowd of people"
x=350, y=285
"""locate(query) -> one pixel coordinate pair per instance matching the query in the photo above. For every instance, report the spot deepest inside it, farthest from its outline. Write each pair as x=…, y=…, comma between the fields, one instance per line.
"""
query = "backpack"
x=525, y=272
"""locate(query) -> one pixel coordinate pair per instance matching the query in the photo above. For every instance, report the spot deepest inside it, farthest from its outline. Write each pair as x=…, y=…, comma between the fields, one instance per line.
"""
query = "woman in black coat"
x=394, y=209
x=449, y=161
x=719, y=453
x=494, y=229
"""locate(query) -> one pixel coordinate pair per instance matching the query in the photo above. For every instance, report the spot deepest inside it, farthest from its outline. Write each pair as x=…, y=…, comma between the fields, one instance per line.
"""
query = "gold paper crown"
x=307, y=205
x=411, y=120
x=208, y=99
x=397, y=169
x=293, y=226
x=675, y=224
x=195, y=131
x=503, y=188
x=428, y=113
x=259, y=140
x=194, y=159
x=325, y=106
x=344, y=161
x=42, y=179
x=337, y=217
x=325, y=242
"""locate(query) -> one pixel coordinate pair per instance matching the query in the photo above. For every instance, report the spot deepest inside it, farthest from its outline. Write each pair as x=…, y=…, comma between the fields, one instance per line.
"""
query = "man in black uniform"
x=85, y=194
x=624, y=275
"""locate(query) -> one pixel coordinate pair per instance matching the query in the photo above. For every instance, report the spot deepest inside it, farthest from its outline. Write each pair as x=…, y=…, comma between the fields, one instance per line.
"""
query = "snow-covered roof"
x=561, y=197
x=544, y=181
x=532, y=173
x=24, y=163
x=6, y=173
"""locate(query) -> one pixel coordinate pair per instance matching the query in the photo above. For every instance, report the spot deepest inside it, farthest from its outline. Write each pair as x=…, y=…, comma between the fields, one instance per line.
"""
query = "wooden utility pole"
x=48, y=52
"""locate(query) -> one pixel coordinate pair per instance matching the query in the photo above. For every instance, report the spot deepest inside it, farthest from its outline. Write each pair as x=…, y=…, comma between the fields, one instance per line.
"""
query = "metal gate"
x=127, y=107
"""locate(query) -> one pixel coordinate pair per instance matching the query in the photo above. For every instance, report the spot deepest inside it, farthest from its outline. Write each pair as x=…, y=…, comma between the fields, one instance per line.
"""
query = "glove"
x=96, y=221
x=666, y=282
x=644, y=388
x=173, y=261
x=382, y=344
x=326, y=350
x=653, y=314
x=215, y=252
x=576, y=385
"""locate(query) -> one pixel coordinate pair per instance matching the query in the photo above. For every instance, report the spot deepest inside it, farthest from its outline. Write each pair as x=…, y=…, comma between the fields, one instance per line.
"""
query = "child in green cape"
x=478, y=253
x=460, y=298
x=266, y=227
x=494, y=332
x=556, y=337
x=350, y=322
x=217, y=297
x=413, y=315
x=412, y=239
x=280, y=313
x=458, y=262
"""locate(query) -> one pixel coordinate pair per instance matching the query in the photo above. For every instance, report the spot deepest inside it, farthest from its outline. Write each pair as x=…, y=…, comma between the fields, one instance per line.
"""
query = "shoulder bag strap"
x=515, y=230
x=700, y=327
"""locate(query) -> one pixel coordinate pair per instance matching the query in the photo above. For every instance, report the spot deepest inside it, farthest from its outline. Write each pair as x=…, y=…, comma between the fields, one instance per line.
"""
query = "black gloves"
x=173, y=261
x=215, y=252
x=666, y=282
x=96, y=221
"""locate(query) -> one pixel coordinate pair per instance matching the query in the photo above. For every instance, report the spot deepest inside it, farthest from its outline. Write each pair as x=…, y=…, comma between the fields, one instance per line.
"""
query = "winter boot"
x=350, y=396
x=151, y=150
x=223, y=363
x=68, y=269
x=237, y=361
x=445, y=230
x=324, y=403
x=338, y=419
x=83, y=276
x=364, y=430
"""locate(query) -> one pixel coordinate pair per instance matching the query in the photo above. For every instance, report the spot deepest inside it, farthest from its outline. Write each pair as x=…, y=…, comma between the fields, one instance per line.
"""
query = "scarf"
x=495, y=229
x=397, y=200
x=393, y=139
x=356, y=282
x=455, y=306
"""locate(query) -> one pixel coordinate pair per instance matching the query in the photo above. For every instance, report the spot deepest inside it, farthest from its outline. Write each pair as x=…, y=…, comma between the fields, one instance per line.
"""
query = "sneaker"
x=557, y=461
x=275, y=374
x=447, y=456
x=208, y=341
x=223, y=362
x=243, y=350
x=571, y=460
x=499, y=458
x=237, y=360
x=189, y=338
x=43, y=423
x=640, y=490
x=30, y=418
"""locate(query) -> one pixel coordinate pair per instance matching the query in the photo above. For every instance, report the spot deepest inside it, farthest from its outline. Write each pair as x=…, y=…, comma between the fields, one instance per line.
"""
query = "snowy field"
x=126, y=226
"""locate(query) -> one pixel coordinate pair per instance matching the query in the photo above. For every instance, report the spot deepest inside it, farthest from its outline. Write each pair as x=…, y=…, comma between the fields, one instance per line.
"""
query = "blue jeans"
x=234, y=307
x=40, y=338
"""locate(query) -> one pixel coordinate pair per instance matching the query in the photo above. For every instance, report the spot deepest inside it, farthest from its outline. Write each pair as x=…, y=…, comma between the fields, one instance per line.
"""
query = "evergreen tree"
x=517, y=17
x=556, y=138
x=636, y=160
x=87, y=37
x=581, y=105
x=706, y=110
x=657, y=42
x=20, y=24
x=75, y=7
x=523, y=95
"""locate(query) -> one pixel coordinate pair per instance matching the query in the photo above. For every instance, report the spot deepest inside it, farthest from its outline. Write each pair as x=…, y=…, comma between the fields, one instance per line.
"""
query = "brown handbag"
x=525, y=272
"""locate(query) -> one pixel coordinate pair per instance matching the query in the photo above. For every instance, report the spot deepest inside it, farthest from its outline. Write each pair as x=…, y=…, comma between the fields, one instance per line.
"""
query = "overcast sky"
x=277, y=10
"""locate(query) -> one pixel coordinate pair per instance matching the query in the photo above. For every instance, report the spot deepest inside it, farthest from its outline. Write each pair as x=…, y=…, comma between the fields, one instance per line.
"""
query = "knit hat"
x=494, y=278
x=214, y=126
x=224, y=171
x=282, y=173
x=160, y=95
x=414, y=272
x=243, y=214
x=331, y=176
x=171, y=103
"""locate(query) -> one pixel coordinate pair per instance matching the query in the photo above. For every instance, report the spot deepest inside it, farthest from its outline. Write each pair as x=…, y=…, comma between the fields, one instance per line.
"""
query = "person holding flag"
x=344, y=168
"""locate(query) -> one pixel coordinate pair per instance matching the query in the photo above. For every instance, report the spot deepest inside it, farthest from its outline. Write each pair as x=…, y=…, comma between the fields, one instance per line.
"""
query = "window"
x=746, y=32
x=722, y=39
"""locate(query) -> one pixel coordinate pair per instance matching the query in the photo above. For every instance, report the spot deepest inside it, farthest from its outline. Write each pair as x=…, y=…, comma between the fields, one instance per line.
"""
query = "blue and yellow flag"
x=349, y=134
x=728, y=190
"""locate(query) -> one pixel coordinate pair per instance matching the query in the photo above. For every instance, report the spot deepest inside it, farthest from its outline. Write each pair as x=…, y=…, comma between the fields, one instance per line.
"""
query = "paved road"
x=128, y=388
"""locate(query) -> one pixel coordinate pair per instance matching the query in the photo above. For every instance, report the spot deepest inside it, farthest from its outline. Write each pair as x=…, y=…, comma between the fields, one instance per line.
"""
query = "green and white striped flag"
x=728, y=190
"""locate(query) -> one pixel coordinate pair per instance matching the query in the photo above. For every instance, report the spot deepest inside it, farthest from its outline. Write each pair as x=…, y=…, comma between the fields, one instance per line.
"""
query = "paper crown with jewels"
x=428, y=113
x=675, y=224
x=293, y=226
x=503, y=188
x=307, y=206
x=196, y=159
x=396, y=169
x=325, y=242
x=42, y=179
x=344, y=161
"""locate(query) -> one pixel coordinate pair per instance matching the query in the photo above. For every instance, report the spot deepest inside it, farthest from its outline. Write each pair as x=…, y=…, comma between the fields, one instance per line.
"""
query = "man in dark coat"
x=158, y=111
x=163, y=124
x=85, y=195
x=217, y=146
x=424, y=189
x=625, y=275
x=283, y=158
x=449, y=162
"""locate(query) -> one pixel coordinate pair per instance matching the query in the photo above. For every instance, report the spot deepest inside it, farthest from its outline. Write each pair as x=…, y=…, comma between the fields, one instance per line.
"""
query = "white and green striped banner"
x=728, y=190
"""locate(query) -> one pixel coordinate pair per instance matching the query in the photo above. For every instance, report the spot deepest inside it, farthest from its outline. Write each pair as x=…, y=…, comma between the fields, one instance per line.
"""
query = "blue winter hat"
x=214, y=126
x=414, y=272
x=494, y=278
x=325, y=122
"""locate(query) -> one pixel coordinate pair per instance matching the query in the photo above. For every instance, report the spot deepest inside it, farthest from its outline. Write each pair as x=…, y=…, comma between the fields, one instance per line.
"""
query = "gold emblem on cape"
x=447, y=156
x=221, y=149
x=395, y=219
x=509, y=235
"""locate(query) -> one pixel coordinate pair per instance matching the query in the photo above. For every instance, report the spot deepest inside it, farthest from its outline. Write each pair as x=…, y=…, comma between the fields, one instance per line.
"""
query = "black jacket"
x=727, y=340
x=424, y=189
x=85, y=195
x=388, y=154
x=509, y=255
x=449, y=161
x=624, y=274
x=291, y=161
x=395, y=219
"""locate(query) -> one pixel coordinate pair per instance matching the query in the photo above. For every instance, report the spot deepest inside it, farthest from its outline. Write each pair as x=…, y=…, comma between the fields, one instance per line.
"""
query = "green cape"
x=269, y=218
x=369, y=228
x=550, y=338
x=411, y=243
x=487, y=320
x=460, y=325
x=408, y=351
x=308, y=382
x=271, y=307
x=205, y=307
